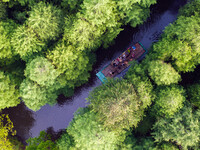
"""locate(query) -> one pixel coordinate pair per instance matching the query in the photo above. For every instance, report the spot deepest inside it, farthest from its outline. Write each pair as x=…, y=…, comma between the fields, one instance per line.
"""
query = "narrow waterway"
x=29, y=123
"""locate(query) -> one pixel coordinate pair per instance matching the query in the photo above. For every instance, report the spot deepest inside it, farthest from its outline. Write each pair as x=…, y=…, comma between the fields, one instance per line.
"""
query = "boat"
x=134, y=52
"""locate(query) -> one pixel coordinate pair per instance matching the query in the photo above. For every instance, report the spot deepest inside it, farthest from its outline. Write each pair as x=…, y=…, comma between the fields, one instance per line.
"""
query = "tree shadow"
x=22, y=119
x=55, y=135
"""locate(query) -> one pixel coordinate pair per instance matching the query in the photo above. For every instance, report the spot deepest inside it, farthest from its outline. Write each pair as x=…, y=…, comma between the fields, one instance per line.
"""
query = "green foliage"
x=3, y=12
x=190, y=9
x=9, y=92
x=167, y=146
x=145, y=143
x=89, y=134
x=180, y=42
x=169, y=100
x=41, y=71
x=96, y=18
x=65, y=142
x=182, y=128
x=117, y=104
x=43, y=142
x=193, y=92
x=71, y=5
x=26, y=43
x=138, y=77
x=163, y=73
x=35, y=96
x=134, y=143
x=16, y=144
x=12, y=3
x=73, y=65
x=5, y=129
x=144, y=127
x=134, y=11
x=46, y=21
x=7, y=54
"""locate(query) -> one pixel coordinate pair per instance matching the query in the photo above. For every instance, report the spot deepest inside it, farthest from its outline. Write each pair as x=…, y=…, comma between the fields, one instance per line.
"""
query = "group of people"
x=122, y=60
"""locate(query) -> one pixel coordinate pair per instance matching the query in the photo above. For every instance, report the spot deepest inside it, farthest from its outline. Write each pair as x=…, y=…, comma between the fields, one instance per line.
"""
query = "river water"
x=28, y=123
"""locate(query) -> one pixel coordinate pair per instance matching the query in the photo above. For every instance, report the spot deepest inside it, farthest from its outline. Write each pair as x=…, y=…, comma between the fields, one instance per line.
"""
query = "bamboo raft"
x=119, y=64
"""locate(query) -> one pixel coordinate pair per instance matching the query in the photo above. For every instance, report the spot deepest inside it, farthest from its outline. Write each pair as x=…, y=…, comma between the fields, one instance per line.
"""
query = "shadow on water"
x=58, y=117
x=23, y=120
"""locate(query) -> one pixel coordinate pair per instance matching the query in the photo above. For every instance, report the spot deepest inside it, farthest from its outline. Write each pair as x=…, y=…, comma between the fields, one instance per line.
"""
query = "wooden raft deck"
x=122, y=62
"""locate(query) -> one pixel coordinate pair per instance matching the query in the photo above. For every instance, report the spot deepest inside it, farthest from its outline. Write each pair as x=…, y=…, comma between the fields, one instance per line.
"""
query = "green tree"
x=5, y=130
x=134, y=11
x=89, y=134
x=163, y=73
x=180, y=42
x=71, y=5
x=46, y=21
x=43, y=142
x=41, y=71
x=65, y=142
x=72, y=65
x=193, y=92
x=118, y=105
x=167, y=146
x=190, y=9
x=182, y=128
x=26, y=43
x=137, y=75
x=35, y=96
x=7, y=54
x=169, y=100
x=96, y=19
x=9, y=92
x=134, y=143
x=3, y=12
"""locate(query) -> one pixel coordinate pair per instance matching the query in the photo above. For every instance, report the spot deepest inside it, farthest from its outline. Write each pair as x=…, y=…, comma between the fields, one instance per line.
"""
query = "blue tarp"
x=101, y=76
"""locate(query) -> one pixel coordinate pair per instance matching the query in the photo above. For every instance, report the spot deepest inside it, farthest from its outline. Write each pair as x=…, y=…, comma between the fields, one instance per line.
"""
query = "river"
x=28, y=123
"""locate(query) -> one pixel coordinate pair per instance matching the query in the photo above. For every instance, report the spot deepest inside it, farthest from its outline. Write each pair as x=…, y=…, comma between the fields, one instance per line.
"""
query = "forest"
x=47, y=48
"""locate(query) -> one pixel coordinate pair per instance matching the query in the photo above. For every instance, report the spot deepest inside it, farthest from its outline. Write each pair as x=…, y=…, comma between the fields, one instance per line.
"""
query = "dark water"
x=29, y=123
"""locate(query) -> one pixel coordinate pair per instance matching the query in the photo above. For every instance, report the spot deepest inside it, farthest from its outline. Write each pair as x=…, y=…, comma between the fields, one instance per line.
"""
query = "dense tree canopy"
x=71, y=5
x=65, y=142
x=26, y=43
x=35, y=96
x=89, y=134
x=9, y=92
x=3, y=12
x=134, y=143
x=7, y=53
x=134, y=11
x=72, y=64
x=118, y=104
x=43, y=142
x=6, y=127
x=55, y=39
x=46, y=21
x=95, y=19
x=180, y=42
x=41, y=71
x=193, y=92
x=182, y=128
x=137, y=75
x=169, y=100
x=163, y=73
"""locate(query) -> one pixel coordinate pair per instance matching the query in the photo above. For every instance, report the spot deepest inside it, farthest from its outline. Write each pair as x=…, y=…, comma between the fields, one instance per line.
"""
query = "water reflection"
x=23, y=120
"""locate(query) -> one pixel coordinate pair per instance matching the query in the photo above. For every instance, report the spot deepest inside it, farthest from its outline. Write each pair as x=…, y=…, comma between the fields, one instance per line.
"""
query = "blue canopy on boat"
x=101, y=76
